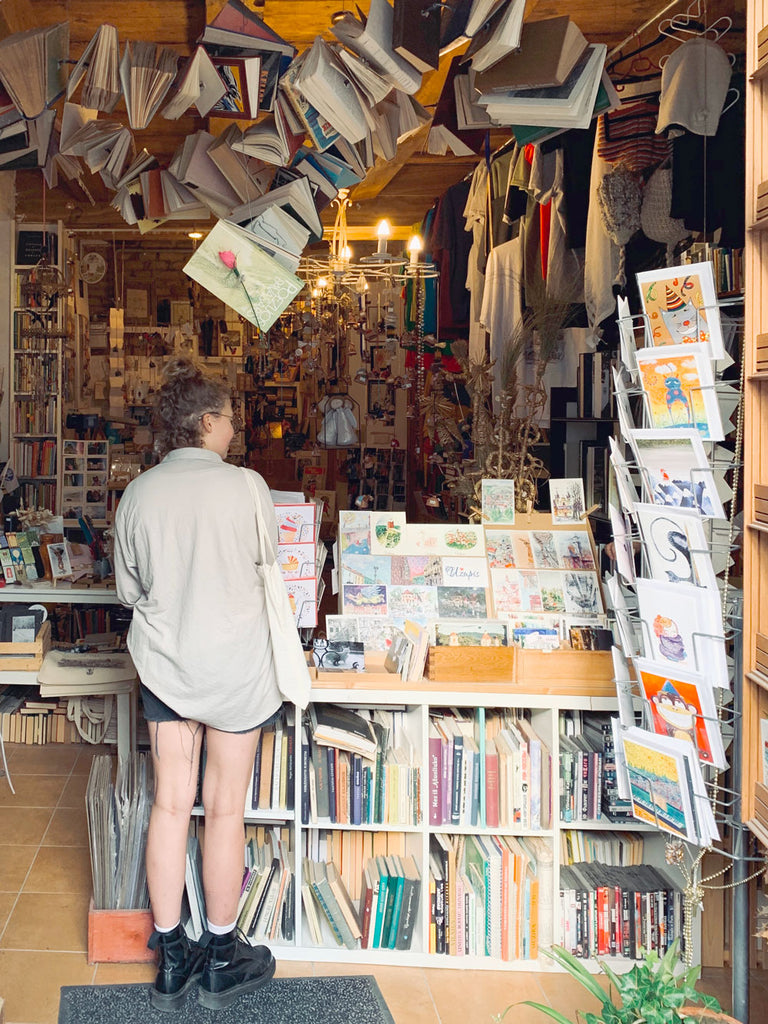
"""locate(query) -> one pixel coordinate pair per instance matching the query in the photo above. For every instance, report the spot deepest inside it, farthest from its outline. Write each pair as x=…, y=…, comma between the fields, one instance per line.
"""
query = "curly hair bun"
x=181, y=370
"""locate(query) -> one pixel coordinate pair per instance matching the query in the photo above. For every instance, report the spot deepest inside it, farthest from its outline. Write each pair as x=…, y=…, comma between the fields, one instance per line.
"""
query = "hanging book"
x=232, y=265
x=243, y=87
x=200, y=83
x=147, y=72
x=99, y=71
x=33, y=66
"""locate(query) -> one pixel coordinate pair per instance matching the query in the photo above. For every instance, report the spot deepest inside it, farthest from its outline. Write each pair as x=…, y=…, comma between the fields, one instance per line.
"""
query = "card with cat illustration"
x=680, y=305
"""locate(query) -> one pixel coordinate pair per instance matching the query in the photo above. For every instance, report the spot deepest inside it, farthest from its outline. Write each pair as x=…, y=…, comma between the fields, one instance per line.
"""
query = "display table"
x=124, y=691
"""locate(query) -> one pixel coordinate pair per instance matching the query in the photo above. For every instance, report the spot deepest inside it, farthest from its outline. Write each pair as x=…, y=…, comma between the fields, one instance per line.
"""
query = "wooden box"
x=471, y=664
x=25, y=657
x=119, y=936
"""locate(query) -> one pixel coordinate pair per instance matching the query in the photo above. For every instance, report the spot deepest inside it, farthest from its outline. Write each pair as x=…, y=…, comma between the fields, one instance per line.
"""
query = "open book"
x=334, y=94
x=271, y=139
x=200, y=83
x=33, y=66
x=295, y=196
x=192, y=166
x=497, y=37
x=147, y=72
x=372, y=39
x=570, y=105
x=26, y=143
x=232, y=265
x=99, y=71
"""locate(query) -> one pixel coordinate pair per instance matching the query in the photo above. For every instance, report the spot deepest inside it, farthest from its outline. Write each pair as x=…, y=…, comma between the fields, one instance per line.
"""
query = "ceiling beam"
x=16, y=16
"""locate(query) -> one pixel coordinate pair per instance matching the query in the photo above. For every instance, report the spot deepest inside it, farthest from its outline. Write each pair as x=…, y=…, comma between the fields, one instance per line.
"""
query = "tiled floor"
x=44, y=892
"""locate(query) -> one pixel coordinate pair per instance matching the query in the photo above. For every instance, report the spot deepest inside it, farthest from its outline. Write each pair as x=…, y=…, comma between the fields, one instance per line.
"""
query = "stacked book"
x=265, y=908
x=607, y=910
x=358, y=771
x=485, y=892
x=487, y=769
x=272, y=779
x=621, y=848
x=552, y=80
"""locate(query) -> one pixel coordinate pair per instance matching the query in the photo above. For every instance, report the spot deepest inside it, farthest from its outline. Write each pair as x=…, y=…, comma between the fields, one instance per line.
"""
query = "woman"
x=186, y=555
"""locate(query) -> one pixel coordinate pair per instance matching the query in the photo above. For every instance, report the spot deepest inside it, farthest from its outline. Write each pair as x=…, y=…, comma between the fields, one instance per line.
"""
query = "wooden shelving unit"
x=755, y=694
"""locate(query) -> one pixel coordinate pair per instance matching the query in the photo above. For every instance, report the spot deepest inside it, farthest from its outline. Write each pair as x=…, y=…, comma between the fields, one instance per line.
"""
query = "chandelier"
x=338, y=270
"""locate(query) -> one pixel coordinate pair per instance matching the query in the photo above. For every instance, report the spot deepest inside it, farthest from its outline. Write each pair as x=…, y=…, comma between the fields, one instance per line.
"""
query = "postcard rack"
x=687, y=615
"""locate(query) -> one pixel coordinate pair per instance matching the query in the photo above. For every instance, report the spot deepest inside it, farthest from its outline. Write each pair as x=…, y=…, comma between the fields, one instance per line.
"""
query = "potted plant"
x=652, y=992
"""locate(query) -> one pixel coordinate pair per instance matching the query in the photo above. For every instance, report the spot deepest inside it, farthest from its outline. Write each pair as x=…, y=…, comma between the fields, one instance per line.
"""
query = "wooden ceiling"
x=402, y=190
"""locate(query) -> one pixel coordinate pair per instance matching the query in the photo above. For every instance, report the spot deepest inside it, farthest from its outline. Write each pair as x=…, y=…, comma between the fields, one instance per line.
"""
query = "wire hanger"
x=690, y=24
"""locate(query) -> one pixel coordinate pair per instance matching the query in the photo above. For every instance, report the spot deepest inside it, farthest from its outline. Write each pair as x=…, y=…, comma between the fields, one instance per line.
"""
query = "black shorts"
x=156, y=711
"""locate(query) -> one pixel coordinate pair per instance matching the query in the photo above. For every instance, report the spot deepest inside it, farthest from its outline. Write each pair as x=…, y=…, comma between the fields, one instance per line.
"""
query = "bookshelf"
x=413, y=833
x=37, y=365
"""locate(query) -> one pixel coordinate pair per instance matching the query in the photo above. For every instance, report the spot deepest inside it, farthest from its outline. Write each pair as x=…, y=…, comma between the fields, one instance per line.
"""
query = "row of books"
x=33, y=416
x=36, y=458
x=351, y=849
x=621, y=848
x=727, y=265
x=29, y=332
x=33, y=373
x=37, y=495
x=607, y=910
x=489, y=769
x=272, y=779
x=378, y=785
x=490, y=895
x=587, y=772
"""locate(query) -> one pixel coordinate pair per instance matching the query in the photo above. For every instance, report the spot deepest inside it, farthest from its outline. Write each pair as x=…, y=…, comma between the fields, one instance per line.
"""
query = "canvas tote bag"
x=290, y=663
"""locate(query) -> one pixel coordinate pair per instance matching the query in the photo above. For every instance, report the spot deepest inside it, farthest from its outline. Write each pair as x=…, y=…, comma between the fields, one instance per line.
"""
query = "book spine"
x=492, y=789
x=410, y=907
x=332, y=798
x=456, y=776
x=305, y=770
x=356, y=815
x=435, y=779
x=369, y=898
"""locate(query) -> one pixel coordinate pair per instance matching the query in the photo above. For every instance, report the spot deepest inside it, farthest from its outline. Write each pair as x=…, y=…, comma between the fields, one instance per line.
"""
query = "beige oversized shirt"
x=186, y=551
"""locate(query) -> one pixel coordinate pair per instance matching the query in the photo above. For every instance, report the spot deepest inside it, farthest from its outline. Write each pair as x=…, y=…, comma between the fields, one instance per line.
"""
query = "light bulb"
x=346, y=254
x=322, y=282
x=383, y=232
x=415, y=245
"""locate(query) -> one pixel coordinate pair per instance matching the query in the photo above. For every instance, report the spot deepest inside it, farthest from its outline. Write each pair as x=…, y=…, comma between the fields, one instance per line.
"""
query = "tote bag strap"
x=268, y=552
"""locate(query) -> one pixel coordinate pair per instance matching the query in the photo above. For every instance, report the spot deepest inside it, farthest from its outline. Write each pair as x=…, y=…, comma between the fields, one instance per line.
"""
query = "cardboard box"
x=119, y=936
x=25, y=657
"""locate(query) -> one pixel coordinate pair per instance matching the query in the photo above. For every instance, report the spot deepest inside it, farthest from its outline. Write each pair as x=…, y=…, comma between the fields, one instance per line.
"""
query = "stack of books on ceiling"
x=551, y=81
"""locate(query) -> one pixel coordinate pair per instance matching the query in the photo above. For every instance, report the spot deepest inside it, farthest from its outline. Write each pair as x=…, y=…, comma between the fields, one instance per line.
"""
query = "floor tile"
x=15, y=862
x=86, y=753
x=73, y=794
x=124, y=974
x=31, y=983
x=490, y=993
x=60, y=869
x=53, y=759
x=7, y=900
x=405, y=990
x=23, y=825
x=32, y=790
x=68, y=827
x=48, y=921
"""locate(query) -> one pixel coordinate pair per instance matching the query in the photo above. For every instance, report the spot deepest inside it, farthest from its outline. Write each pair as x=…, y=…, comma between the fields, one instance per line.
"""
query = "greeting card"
x=679, y=388
x=680, y=306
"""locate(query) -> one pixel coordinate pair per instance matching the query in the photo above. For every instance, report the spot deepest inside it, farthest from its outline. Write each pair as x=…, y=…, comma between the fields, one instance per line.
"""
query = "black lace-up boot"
x=232, y=968
x=180, y=964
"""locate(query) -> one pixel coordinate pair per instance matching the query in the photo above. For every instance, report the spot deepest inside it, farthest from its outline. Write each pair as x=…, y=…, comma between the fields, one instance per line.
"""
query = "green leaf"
x=554, y=1014
x=577, y=970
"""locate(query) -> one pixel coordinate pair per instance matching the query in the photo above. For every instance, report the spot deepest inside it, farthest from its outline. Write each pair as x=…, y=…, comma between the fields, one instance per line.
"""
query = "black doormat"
x=330, y=1000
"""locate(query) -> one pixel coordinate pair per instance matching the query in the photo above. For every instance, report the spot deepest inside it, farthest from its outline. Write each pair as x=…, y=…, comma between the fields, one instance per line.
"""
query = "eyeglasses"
x=235, y=418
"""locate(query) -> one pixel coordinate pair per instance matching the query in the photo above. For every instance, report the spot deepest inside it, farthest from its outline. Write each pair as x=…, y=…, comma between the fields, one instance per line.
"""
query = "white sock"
x=164, y=931
x=221, y=929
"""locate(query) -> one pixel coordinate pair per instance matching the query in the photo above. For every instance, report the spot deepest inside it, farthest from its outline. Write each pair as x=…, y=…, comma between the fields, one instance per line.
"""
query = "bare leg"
x=175, y=757
x=229, y=761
